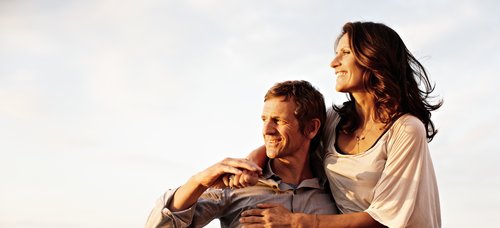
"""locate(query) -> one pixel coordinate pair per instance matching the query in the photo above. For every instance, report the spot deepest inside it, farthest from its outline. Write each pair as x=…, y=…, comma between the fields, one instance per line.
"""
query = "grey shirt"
x=227, y=204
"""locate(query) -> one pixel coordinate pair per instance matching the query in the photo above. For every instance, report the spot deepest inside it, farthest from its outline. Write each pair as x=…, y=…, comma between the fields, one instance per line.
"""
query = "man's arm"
x=189, y=193
x=259, y=157
x=174, y=208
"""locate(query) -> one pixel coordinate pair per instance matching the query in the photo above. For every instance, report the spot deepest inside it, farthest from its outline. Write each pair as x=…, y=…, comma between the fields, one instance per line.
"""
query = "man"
x=293, y=114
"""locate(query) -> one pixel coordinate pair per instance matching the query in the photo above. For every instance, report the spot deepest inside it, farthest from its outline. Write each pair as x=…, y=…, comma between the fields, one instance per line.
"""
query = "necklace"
x=362, y=136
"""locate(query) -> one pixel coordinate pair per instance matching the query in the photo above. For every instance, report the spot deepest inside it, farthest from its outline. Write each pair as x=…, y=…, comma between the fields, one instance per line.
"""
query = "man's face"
x=281, y=132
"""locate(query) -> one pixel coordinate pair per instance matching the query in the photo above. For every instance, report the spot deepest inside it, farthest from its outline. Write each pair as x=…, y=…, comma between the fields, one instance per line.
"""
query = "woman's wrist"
x=304, y=220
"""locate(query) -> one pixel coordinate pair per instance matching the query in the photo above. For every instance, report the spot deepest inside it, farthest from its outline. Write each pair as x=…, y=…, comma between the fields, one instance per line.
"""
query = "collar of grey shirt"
x=271, y=179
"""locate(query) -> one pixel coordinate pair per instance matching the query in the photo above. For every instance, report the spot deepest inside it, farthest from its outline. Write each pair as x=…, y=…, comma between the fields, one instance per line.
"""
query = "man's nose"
x=269, y=128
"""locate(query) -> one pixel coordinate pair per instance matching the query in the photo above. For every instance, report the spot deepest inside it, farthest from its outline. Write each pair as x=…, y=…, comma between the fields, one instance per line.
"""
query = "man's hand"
x=242, y=180
x=232, y=166
x=268, y=215
x=188, y=194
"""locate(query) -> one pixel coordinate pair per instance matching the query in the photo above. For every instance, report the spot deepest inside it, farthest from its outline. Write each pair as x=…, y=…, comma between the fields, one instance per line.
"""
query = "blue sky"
x=106, y=104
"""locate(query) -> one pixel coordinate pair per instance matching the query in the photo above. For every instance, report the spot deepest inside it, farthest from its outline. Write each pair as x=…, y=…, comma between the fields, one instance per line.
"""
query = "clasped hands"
x=238, y=173
x=230, y=172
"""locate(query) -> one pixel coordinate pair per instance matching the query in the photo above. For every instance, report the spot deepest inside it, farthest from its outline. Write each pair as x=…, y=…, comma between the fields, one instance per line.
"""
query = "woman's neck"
x=365, y=107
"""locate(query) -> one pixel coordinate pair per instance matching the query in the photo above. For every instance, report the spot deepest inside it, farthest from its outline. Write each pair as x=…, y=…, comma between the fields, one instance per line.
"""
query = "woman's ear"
x=312, y=128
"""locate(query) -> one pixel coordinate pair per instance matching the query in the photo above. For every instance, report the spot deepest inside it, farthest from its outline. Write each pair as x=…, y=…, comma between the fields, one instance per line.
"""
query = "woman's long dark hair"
x=393, y=75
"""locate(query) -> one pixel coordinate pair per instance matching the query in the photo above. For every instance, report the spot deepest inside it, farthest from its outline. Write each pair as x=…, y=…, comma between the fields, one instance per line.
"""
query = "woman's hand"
x=269, y=215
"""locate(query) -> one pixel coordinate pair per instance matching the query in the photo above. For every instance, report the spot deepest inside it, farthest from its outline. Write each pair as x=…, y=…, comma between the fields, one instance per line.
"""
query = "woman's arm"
x=258, y=156
x=275, y=215
x=357, y=219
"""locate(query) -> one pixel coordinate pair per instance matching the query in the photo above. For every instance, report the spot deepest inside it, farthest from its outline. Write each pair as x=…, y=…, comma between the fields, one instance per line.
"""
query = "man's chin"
x=271, y=154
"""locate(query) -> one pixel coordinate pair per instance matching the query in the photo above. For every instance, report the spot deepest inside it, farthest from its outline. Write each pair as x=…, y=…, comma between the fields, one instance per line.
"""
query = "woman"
x=375, y=154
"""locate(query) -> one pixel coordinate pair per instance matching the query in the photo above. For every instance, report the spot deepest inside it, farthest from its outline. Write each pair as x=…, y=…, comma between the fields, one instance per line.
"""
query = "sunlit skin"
x=363, y=126
x=284, y=142
x=281, y=128
x=187, y=194
x=350, y=80
x=349, y=73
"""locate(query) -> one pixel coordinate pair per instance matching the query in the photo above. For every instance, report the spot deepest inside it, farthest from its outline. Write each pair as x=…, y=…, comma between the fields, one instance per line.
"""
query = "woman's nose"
x=335, y=62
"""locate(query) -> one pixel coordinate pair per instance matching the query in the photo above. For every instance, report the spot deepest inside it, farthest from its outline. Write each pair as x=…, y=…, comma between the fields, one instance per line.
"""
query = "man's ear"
x=312, y=128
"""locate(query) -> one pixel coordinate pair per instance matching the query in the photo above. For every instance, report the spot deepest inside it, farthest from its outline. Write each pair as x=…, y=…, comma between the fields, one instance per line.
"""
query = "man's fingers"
x=252, y=212
x=228, y=169
x=233, y=182
x=236, y=181
x=228, y=166
x=249, y=178
x=251, y=220
x=242, y=163
x=225, y=179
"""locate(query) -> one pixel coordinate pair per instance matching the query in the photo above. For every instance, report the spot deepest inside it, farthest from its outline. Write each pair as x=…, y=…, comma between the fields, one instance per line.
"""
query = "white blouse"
x=393, y=181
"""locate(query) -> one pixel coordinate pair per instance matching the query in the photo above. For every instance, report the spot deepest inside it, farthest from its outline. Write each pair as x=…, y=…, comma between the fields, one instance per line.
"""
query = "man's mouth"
x=273, y=141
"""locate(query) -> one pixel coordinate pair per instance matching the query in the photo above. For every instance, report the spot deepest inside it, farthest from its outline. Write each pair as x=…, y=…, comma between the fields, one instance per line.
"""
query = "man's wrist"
x=196, y=184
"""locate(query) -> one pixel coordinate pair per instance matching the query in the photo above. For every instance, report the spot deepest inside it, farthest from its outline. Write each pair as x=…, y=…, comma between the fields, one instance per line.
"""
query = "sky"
x=105, y=104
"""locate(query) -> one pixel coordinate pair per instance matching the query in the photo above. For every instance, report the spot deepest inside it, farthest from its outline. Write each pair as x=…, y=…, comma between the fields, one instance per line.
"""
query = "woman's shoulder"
x=408, y=123
x=332, y=120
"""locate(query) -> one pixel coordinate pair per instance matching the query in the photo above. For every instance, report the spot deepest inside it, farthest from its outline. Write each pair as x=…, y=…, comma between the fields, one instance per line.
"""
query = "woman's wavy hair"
x=392, y=75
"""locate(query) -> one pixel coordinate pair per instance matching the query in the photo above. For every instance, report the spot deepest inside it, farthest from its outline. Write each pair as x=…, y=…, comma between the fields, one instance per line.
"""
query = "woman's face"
x=349, y=73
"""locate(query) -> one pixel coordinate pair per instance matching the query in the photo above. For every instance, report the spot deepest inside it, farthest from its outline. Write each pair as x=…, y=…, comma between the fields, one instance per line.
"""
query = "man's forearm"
x=186, y=195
